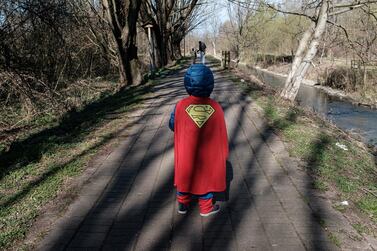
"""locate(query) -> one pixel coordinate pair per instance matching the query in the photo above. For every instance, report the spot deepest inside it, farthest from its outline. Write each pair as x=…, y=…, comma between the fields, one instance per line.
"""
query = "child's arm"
x=171, y=120
x=224, y=136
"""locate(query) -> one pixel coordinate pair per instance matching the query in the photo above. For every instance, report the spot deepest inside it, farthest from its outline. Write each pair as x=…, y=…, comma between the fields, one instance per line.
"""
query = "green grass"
x=360, y=228
x=313, y=140
x=369, y=204
x=17, y=217
x=320, y=185
x=38, y=167
x=340, y=208
x=334, y=239
x=345, y=184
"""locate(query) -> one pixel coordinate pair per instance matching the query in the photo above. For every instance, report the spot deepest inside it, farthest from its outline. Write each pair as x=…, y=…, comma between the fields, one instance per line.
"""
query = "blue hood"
x=199, y=80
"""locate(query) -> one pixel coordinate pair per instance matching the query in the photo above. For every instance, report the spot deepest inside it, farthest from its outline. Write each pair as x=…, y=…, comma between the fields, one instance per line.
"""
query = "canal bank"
x=333, y=105
x=343, y=170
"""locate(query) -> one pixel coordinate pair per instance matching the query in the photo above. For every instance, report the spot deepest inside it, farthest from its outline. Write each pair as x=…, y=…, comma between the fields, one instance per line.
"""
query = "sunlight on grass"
x=35, y=170
x=369, y=204
x=311, y=139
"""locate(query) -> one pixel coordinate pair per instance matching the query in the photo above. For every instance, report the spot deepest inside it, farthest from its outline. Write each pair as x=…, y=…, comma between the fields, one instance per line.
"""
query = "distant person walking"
x=202, y=52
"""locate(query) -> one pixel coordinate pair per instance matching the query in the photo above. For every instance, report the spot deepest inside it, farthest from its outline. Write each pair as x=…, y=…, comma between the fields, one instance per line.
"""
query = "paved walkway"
x=129, y=203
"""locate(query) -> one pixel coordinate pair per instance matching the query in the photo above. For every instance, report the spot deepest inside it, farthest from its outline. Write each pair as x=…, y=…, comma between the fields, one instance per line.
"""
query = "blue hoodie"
x=199, y=82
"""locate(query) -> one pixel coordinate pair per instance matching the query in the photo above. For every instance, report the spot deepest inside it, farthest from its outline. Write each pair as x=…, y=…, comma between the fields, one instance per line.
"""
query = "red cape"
x=200, y=146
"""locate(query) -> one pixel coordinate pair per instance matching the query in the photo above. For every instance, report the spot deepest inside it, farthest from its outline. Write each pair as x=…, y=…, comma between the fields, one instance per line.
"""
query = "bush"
x=342, y=78
x=350, y=80
x=266, y=60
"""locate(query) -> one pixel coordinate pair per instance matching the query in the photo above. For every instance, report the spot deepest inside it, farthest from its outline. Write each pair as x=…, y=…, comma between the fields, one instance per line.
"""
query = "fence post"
x=228, y=59
x=223, y=59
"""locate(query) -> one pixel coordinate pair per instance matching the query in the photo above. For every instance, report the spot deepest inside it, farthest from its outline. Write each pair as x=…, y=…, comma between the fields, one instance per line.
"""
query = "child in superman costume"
x=200, y=143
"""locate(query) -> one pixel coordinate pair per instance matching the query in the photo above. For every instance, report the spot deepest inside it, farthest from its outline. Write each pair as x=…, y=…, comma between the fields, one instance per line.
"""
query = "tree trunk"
x=171, y=20
x=161, y=48
x=308, y=46
x=129, y=65
x=214, y=48
x=176, y=52
x=156, y=37
x=122, y=18
x=7, y=56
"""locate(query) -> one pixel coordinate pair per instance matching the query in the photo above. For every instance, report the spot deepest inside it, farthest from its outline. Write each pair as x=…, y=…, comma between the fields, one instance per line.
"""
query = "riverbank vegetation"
x=358, y=85
x=269, y=36
x=340, y=166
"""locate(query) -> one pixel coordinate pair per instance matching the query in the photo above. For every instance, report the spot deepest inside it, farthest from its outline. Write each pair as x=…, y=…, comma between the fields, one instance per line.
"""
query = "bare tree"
x=306, y=51
x=318, y=12
x=214, y=26
x=238, y=18
x=181, y=23
x=43, y=48
x=171, y=20
x=309, y=43
x=122, y=17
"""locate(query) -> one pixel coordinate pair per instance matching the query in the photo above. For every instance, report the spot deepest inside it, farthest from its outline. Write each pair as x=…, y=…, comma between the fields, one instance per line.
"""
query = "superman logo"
x=200, y=113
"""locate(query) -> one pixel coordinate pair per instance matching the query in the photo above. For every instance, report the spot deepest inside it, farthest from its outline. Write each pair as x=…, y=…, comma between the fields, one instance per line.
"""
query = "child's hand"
x=171, y=120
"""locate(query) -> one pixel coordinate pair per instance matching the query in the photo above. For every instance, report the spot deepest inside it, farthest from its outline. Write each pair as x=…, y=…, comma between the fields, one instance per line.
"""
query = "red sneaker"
x=215, y=210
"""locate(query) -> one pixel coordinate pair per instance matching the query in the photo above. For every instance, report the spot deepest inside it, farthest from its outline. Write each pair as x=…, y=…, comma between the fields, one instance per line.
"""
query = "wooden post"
x=184, y=46
x=228, y=59
x=152, y=66
x=223, y=59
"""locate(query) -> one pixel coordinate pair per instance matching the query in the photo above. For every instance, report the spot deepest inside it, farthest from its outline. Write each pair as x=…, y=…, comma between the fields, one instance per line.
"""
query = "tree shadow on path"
x=135, y=213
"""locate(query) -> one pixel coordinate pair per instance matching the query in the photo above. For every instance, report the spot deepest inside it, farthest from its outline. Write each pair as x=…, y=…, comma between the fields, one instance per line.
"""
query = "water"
x=344, y=114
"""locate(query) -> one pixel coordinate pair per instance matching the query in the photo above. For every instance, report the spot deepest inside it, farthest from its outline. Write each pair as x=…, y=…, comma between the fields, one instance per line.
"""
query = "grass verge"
x=37, y=168
x=335, y=161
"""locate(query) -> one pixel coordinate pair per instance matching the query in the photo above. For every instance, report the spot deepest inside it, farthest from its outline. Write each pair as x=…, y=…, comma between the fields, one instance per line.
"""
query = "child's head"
x=199, y=81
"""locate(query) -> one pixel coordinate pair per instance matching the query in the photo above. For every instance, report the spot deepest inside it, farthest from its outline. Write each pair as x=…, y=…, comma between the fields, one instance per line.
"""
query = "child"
x=193, y=54
x=200, y=143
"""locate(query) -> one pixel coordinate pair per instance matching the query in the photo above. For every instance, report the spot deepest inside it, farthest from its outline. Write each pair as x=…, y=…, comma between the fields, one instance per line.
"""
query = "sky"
x=221, y=12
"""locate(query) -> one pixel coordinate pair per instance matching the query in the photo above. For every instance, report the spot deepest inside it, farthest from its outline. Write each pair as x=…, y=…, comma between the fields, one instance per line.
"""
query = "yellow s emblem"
x=200, y=113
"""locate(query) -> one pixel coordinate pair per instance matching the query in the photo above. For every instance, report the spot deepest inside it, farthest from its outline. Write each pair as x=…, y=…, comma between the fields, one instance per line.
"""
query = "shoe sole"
x=210, y=213
x=182, y=212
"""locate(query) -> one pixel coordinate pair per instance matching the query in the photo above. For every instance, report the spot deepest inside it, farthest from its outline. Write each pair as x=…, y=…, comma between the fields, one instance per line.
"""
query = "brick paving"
x=129, y=202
